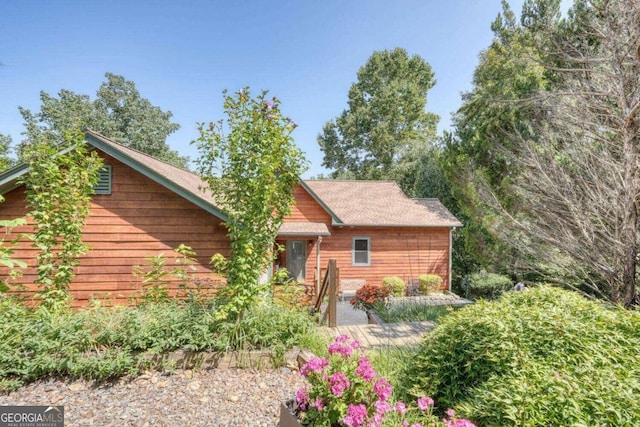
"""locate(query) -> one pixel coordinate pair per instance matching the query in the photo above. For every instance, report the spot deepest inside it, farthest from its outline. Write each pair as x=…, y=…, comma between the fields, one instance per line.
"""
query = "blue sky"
x=182, y=54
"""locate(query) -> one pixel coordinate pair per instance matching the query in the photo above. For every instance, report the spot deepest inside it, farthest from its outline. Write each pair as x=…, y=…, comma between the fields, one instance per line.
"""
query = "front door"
x=296, y=251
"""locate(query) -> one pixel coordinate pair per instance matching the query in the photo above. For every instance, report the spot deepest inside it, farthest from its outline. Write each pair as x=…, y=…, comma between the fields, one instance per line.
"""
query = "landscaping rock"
x=216, y=397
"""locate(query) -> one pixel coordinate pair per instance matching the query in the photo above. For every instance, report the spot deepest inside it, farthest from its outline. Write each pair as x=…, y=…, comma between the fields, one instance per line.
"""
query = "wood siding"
x=306, y=209
x=406, y=252
x=142, y=218
x=139, y=219
x=403, y=252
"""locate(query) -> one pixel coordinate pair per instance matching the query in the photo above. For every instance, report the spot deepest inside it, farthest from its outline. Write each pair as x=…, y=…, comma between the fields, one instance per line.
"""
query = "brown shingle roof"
x=292, y=229
x=358, y=203
x=378, y=203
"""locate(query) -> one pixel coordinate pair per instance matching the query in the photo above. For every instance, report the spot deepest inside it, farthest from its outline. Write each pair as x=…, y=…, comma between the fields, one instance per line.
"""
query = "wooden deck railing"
x=329, y=286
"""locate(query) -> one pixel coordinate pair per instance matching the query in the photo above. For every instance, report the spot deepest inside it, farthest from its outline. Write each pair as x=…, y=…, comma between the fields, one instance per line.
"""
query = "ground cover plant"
x=408, y=312
x=542, y=357
x=108, y=342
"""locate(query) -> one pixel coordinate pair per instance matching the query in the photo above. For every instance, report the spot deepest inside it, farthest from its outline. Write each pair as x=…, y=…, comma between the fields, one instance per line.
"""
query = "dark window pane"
x=361, y=245
x=361, y=257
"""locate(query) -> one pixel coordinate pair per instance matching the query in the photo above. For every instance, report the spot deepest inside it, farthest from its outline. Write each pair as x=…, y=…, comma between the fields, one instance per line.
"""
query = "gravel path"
x=216, y=397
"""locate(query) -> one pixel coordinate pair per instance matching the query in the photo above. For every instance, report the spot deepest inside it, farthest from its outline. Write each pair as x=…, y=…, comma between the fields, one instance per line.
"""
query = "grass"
x=406, y=312
x=389, y=363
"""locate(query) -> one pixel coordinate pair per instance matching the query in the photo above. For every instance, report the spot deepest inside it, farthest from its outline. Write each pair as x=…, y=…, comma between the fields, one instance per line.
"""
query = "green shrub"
x=540, y=357
x=394, y=285
x=430, y=283
x=104, y=343
x=487, y=285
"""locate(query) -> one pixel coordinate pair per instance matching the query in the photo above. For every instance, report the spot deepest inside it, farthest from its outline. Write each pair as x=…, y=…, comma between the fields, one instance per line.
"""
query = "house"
x=371, y=228
x=146, y=207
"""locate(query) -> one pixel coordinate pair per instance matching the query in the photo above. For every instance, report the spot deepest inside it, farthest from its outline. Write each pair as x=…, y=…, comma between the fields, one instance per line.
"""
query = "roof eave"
x=304, y=234
x=9, y=179
x=400, y=225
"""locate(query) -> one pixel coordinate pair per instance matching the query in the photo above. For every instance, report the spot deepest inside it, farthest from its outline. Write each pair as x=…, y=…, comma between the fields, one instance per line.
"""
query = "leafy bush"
x=487, y=285
x=394, y=285
x=367, y=296
x=103, y=343
x=539, y=357
x=430, y=283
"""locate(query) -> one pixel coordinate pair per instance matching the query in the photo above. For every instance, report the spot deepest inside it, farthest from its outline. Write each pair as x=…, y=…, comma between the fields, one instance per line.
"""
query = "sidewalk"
x=346, y=315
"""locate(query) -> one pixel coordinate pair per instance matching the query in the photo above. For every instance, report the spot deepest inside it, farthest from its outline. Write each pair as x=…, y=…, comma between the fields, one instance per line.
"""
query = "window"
x=361, y=249
x=104, y=180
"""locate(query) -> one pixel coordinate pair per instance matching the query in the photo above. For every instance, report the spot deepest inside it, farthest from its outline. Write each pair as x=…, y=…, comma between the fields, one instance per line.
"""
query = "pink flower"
x=337, y=348
x=382, y=388
x=405, y=423
x=424, y=403
x=365, y=370
x=315, y=364
x=453, y=422
x=382, y=407
x=318, y=404
x=342, y=347
x=377, y=420
x=401, y=408
x=356, y=415
x=339, y=382
x=416, y=425
x=302, y=397
x=342, y=338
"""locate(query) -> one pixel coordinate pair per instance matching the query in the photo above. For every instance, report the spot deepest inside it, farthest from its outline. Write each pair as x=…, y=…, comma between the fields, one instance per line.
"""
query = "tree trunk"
x=629, y=236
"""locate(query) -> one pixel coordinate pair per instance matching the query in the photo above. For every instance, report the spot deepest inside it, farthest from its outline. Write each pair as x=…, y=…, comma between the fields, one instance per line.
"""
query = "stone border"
x=257, y=359
x=431, y=299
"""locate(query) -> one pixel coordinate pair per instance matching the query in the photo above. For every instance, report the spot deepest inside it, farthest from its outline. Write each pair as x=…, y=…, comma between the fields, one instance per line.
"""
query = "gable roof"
x=350, y=203
x=377, y=203
x=180, y=181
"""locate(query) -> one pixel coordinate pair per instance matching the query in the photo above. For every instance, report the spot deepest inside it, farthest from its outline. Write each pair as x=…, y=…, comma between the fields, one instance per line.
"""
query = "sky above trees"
x=182, y=55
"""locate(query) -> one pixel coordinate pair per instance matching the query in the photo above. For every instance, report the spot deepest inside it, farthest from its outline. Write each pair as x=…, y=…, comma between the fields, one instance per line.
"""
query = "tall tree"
x=572, y=163
x=5, y=146
x=252, y=166
x=119, y=112
x=385, y=115
x=510, y=70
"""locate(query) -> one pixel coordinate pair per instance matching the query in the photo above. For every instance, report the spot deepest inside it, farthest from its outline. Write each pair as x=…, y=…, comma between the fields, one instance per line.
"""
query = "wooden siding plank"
x=140, y=218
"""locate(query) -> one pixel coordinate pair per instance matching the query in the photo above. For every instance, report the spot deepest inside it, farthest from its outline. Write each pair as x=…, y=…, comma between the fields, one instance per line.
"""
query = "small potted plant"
x=345, y=390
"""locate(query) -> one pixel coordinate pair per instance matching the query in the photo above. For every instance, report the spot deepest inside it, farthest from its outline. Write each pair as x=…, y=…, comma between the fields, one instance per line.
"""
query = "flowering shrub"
x=345, y=390
x=368, y=295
